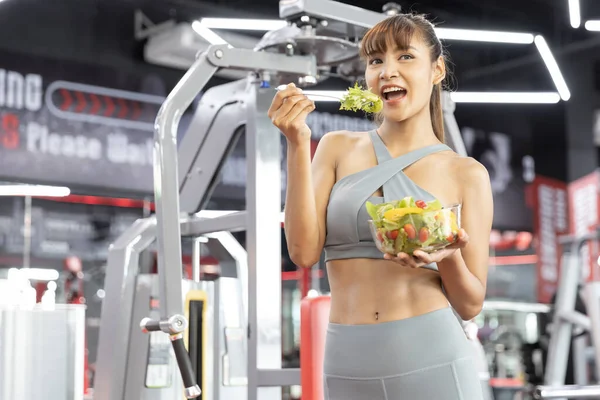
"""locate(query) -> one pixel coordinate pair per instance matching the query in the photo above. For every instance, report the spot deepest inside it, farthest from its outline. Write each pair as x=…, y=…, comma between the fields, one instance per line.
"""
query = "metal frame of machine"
x=566, y=321
x=184, y=179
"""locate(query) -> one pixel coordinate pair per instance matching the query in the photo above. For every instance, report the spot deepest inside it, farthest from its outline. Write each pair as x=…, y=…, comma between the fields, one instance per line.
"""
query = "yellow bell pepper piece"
x=453, y=222
x=398, y=213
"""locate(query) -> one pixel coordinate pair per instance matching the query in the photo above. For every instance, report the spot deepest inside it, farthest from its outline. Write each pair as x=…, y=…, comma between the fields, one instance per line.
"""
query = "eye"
x=406, y=57
x=374, y=61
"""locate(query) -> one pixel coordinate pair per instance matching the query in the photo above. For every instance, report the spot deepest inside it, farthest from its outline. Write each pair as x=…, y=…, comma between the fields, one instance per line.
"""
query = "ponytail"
x=437, y=113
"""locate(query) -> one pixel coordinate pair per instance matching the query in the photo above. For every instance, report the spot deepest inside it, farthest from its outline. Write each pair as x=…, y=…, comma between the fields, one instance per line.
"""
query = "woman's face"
x=404, y=79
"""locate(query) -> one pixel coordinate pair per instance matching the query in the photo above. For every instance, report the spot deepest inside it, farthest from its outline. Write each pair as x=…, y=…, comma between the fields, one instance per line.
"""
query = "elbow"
x=304, y=254
x=469, y=311
x=302, y=261
x=303, y=258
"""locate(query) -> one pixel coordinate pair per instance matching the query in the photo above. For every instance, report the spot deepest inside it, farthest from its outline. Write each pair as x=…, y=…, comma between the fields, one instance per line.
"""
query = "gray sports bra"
x=348, y=234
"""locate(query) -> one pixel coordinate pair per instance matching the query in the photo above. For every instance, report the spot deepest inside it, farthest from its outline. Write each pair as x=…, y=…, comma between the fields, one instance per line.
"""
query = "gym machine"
x=232, y=324
x=567, y=321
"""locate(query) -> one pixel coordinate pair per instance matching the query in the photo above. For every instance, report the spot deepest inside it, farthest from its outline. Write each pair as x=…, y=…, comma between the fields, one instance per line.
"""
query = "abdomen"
x=366, y=291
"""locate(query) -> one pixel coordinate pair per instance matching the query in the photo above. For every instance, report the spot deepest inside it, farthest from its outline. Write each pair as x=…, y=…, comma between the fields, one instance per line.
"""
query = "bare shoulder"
x=339, y=142
x=471, y=177
x=471, y=171
x=342, y=137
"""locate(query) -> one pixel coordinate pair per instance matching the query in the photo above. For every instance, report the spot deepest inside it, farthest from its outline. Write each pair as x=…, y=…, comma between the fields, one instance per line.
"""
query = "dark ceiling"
x=477, y=66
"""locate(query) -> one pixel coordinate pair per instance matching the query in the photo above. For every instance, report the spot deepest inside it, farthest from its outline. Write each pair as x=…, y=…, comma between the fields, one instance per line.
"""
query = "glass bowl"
x=404, y=230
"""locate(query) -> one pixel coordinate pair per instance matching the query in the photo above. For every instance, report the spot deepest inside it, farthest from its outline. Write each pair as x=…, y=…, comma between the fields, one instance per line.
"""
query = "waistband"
x=395, y=347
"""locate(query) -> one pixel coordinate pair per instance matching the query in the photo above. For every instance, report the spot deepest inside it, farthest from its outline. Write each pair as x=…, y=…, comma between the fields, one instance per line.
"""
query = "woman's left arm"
x=464, y=272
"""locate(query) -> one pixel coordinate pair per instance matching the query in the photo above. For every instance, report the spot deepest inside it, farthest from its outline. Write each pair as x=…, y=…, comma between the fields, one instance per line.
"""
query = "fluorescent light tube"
x=34, y=190
x=557, y=77
x=505, y=97
x=443, y=33
x=575, y=13
x=593, y=25
x=207, y=34
x=459, y=97
x=243, y=24
x=484, y=36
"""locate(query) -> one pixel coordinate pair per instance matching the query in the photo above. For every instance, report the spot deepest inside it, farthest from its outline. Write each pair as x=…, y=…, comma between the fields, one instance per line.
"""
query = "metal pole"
x=166, y=196
x=592, y=296
x=560, y=341
x=27, y=233
x=166, y=184
x=196, y=255
x=452, y=131
x=263, y=203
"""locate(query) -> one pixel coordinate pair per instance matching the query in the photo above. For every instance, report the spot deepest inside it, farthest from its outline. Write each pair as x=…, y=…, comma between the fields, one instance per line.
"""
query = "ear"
x=439, y=70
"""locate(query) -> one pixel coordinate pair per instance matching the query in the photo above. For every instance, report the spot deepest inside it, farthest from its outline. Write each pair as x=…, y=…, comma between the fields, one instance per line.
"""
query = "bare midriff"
x=368, y=291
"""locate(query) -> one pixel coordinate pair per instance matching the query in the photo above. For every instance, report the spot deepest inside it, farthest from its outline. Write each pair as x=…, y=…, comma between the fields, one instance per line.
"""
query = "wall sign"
x=550, y=205
x=65, y=123
x=91, y=127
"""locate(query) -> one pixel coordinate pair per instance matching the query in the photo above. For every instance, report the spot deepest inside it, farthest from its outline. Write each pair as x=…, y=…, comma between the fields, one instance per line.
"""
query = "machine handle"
x=175, y=324
x=150, y=325
x=568, y=391
x=192, y=390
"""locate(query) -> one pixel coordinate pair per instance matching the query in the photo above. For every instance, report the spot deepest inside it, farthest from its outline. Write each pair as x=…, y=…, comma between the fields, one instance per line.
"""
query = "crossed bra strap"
x=389, y=171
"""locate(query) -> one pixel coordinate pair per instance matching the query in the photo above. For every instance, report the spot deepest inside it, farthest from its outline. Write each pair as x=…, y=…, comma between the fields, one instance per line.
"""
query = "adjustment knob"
x=392, y=9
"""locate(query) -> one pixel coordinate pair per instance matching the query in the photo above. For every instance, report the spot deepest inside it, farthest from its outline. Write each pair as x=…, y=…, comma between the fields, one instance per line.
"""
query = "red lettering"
x=10, y=131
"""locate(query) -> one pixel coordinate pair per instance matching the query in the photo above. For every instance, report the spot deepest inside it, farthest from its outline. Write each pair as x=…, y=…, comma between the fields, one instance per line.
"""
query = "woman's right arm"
x=308, y=185
x=308, y=189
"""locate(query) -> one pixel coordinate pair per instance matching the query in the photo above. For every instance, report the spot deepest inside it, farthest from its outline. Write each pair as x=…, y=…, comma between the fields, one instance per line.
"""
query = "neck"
x=409, y=134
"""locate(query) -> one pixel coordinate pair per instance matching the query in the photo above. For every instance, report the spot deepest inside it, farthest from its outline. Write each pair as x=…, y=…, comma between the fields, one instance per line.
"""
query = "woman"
x=392, y=334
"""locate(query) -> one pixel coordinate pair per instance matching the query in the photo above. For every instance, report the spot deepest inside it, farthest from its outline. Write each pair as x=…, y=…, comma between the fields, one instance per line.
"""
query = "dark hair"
x=398, y=30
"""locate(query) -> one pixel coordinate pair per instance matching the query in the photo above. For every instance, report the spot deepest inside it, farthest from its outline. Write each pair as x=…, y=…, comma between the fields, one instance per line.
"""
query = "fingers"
x=423, y=257
x=278, y=100
x=291, y=115
x=463, y=237
x=301, y=109
x=288, y=104
x=405, y=260
x=462, y=240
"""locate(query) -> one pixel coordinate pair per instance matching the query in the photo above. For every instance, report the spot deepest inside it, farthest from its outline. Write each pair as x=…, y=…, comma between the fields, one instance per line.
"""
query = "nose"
x=389, y=71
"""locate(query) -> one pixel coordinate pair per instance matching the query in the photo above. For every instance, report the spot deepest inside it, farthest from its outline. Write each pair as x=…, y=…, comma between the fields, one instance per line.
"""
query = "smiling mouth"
x=393, y=94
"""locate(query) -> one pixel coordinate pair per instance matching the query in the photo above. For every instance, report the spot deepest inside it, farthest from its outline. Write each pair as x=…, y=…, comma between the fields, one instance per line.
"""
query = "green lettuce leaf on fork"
x=358, y=99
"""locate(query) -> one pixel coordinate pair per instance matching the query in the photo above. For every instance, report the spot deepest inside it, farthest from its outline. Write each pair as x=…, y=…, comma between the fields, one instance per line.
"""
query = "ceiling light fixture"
x=506, y=97
x=593, y=25
x=243, y=24
x=34, y=191
x=484, y=36
x=552, y=66
x=206, y=24
x=575, y=13
x=207, y=34
x=460, y=97
x=443, y=33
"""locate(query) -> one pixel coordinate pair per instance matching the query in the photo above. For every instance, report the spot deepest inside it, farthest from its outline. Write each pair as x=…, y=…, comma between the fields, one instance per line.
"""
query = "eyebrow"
x=407, y=48
x=377, y=53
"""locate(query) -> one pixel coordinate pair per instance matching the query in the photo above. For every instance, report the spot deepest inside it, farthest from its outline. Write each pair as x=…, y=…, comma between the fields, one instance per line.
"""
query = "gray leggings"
x=427, y=357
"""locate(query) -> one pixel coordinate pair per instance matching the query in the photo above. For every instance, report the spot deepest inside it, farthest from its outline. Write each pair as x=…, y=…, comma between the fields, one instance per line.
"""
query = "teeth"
x=393, y=89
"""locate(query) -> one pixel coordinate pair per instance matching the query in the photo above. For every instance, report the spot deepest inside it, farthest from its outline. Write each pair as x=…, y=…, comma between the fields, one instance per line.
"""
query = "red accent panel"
x=550, y=222
x=314, y=318
x=584, y=218
x=100, y=201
